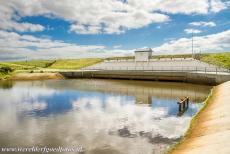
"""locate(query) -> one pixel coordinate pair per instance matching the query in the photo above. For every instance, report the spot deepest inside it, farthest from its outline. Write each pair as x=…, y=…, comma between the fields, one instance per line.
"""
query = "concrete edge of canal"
x=189, y=77
x=209, y=130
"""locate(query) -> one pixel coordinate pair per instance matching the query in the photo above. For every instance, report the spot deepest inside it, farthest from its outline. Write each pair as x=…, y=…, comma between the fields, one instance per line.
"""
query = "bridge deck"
x=186, y=70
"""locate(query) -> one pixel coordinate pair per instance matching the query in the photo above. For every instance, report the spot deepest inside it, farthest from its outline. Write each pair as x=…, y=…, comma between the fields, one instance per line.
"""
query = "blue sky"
x=41, y=29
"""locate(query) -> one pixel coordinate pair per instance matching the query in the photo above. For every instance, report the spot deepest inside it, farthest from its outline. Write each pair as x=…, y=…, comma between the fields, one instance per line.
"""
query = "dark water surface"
x=102, y=116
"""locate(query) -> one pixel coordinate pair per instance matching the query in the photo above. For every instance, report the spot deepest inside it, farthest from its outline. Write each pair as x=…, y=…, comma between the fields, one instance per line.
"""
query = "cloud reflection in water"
x=100, y=122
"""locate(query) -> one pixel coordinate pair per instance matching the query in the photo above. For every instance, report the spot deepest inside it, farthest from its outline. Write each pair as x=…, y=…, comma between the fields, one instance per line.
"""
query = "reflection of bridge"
x=187, y=70
x=143, y=91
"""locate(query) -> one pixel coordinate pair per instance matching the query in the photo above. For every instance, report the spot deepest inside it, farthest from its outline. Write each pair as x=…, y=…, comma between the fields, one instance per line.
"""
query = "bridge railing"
x=151, y=60
x=160, y=68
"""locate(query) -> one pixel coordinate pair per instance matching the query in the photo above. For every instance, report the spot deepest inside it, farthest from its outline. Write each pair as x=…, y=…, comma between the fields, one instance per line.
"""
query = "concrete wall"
x=200, y=78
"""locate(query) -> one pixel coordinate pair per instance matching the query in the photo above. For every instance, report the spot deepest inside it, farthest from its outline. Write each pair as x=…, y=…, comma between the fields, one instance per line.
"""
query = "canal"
x=101, y=116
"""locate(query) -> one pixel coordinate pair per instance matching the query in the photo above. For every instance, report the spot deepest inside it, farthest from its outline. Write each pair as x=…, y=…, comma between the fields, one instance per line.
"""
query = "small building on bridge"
x=143, y=55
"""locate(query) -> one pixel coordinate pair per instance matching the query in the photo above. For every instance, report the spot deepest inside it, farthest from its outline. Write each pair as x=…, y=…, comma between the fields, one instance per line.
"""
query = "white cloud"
x=213, y=42
x=117, y=46
x=217, y=5
x=101, y=16
x=21, y=27
x=15, y=46
x=203, y=24
x=20, y=47
x=81, y=29
x=90, y=17
x=194, y=31
x=183, y=7
x=117, y=22
x=9, y=20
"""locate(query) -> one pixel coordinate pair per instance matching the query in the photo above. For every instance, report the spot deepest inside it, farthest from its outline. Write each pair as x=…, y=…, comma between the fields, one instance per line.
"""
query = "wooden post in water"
x=183, y=105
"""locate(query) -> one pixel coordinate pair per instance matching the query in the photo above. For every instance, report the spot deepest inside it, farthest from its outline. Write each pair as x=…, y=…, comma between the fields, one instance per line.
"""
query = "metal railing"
x=160, y=68
x=151, y=60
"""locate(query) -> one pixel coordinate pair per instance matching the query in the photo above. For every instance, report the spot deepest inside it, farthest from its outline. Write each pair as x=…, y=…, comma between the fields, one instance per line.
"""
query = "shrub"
x=5, y=69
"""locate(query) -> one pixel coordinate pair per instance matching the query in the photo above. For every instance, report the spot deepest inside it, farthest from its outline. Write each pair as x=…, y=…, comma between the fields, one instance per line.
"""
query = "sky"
x=54, y=29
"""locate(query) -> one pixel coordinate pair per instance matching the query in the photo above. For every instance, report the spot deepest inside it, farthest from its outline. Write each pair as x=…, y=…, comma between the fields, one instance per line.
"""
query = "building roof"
x=144, y=50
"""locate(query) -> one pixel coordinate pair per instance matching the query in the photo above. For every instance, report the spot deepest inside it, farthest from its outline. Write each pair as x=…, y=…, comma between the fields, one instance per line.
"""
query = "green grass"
x=5, y=72
x=74, y=63
x=57, y=64
x=120, y=58
x=172, y=56
x=220, y=59
x=15, y=66
x=25, y=66
x=4, y=75
x=35, y=63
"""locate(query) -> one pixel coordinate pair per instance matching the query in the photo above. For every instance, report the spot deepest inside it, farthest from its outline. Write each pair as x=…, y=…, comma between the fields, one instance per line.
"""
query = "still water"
x=101, y=116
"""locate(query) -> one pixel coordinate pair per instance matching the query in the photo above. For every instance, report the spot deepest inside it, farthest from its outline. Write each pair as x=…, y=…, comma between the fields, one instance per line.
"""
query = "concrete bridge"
x=185, y=70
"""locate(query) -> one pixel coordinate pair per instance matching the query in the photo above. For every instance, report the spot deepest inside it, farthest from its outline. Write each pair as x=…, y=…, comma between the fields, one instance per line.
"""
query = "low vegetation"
x=120, y=58
x=74, y=63
x=5, y=71
x=35, y=63
x=220, y=59
x=8, y=68
x=20, y=66
x=173, y=56
x=15, y=66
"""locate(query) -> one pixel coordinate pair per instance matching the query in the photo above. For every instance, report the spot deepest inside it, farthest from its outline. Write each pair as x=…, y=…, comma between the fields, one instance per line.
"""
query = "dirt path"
x=36, y=76
x=211, y=132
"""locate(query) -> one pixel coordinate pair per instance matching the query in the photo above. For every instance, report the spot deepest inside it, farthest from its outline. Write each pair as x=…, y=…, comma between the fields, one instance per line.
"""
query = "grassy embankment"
x=220, y=59
x=10, y=68
x=74, y=64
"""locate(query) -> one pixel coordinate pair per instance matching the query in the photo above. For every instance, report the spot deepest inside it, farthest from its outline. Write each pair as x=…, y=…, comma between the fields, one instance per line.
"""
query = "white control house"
x=143, y=55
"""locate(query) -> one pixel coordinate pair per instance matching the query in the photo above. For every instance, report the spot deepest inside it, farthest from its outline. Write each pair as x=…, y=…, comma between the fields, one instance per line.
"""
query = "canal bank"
x=205, y=78
x=210, y=129
x=37, y=76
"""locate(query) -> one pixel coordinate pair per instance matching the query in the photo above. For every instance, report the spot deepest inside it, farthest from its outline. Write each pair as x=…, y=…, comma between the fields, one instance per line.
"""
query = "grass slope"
x=15, y=66
x=74, y=63
x=220, y=59
x=35, y=63
x=23, y=66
